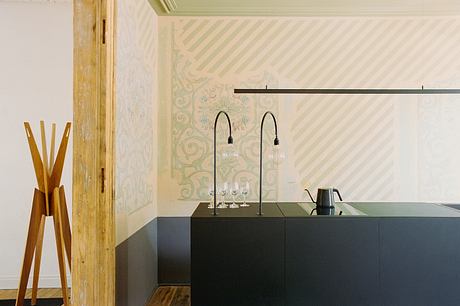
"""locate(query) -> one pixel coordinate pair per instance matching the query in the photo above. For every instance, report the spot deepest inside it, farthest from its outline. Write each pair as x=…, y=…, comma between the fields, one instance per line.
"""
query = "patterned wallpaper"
x=196, y=101
x=135, y=192
x=378, y=148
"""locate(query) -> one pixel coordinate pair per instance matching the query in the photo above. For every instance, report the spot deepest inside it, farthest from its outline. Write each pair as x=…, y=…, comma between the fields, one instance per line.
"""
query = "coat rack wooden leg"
x=37, y=260
x=38, y=210
x=65, y=225
x=57, y=218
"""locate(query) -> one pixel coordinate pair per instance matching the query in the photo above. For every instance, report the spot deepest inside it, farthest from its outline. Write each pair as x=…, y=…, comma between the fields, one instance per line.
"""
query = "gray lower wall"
x=137, y=266
x=174, y=250
x=158, y=253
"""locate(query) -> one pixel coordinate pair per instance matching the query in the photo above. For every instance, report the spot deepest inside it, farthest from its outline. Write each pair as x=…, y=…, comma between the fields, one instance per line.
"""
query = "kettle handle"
x=338, y=193
x=310, y=195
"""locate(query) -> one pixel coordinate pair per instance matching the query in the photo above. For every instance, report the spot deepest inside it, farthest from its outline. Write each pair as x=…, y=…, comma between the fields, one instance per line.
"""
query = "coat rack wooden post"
x=48, y=201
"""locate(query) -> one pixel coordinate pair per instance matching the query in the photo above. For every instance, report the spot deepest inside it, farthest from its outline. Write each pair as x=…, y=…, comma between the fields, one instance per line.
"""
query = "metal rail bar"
x=346, y=91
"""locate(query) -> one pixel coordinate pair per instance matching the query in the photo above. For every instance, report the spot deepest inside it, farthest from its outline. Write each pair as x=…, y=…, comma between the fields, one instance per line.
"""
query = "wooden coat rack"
x=48, y=201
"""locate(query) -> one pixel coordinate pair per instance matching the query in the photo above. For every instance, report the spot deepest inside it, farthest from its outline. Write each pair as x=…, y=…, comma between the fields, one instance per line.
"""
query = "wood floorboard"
x=10, y=294
x=171, y=296
x=182, y=297
x=164, y=295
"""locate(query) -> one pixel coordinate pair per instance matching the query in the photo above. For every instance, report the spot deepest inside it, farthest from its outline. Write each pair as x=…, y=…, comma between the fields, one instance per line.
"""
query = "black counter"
x=237, y=256
x=378, y=254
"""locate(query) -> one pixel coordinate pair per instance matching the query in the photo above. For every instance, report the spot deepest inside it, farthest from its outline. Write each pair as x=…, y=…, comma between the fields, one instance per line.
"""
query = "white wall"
x=35, y=84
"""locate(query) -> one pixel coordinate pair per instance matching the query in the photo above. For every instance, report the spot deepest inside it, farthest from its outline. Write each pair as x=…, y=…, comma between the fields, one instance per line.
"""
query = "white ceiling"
x=307, y=7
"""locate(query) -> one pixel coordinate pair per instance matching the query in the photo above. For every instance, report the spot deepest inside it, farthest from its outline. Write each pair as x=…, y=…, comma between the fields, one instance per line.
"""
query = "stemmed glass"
x=211, y=195
x=244, y=192
x=223, y=193
x=234, y=192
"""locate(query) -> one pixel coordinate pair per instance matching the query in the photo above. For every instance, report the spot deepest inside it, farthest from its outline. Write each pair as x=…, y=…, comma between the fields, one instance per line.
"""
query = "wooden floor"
x=42, y=293
x=171, y=296
x=163, y=296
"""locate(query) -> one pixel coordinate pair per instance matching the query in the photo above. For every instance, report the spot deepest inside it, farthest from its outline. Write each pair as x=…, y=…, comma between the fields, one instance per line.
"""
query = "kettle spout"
x=310, y=195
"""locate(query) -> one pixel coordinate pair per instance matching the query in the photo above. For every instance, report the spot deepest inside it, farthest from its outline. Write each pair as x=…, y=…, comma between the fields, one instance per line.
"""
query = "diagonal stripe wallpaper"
x=376, y=148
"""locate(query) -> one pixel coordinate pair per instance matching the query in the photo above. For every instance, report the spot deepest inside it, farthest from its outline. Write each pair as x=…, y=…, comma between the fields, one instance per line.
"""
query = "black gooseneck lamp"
x=275, y=142
x=230, y=141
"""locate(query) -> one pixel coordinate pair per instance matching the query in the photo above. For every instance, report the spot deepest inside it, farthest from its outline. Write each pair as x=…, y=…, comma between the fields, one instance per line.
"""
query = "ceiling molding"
x=169, y=5
x=348, y=8
x=315, y=12
x=157, y=7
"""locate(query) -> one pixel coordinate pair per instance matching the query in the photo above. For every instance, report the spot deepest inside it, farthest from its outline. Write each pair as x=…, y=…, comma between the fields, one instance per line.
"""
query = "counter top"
x=350, y=209
x=305, y=209
x=269, y=210
x=405, y=209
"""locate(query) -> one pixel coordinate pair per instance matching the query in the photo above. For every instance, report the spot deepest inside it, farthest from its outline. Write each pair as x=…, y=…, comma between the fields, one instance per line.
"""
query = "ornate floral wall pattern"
x=135, y=78
x=196, y=101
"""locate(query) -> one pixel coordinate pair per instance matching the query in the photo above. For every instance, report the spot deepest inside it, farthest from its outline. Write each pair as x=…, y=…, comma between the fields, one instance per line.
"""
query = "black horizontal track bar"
x=343, y=91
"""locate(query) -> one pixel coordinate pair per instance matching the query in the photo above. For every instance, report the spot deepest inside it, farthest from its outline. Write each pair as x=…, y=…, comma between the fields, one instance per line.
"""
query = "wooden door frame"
x=93, y=228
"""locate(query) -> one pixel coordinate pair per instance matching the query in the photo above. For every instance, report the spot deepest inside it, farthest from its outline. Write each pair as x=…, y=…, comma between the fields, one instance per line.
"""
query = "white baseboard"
x=46, y=281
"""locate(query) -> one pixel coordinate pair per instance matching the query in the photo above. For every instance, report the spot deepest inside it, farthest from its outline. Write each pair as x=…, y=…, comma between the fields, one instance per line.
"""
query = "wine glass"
x=244, y=192
x=223, y=193
x=211, y=195
x=234, y=192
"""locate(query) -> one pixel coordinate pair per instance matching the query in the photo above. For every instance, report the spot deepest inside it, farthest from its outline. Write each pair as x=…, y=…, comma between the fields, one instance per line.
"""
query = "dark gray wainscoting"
x=137, y=267
x=174, y=250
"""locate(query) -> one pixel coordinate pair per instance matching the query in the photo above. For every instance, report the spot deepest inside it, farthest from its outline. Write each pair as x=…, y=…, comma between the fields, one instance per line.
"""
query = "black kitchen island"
x=372, y=254
x=237, y=256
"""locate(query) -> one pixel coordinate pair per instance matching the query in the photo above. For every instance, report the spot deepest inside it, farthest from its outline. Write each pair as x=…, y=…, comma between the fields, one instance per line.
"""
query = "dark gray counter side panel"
x=420, y=261
x=238, y=262
x=332, y=261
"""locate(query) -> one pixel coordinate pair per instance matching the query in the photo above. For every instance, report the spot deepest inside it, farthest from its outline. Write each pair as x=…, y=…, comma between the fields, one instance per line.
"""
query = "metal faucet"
x=230, y=141
x=276, y=142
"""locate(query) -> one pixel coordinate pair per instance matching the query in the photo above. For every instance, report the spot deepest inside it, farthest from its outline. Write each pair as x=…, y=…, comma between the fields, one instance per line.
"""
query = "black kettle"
x=325, y=201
